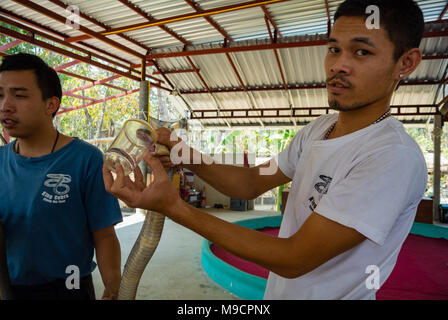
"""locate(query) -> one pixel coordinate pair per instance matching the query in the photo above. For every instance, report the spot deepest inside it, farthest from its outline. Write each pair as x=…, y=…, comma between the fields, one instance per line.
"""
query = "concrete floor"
x=175, y=271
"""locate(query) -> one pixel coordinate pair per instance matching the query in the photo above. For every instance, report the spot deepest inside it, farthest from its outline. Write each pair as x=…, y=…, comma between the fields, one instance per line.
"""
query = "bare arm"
x=233, y=181
x=317, y=241
x=108, y=256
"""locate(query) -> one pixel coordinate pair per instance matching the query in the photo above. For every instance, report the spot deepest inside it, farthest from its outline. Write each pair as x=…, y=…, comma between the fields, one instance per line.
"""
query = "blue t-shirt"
x=50, y=206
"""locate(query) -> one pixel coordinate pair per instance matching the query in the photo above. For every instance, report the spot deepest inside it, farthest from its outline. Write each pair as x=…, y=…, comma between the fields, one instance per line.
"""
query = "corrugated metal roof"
x=297, y=20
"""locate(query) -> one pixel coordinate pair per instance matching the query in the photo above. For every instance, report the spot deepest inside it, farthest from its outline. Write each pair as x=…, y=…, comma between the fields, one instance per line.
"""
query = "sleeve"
x=287, y=159
x=374, y=192
x=103, y=209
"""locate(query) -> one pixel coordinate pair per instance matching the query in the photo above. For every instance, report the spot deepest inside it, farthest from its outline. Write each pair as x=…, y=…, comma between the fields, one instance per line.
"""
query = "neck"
x=37, y=145
x=352, y=121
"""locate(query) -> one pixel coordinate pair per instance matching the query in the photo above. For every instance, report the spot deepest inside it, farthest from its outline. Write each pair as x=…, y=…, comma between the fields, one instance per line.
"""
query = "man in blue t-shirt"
x=53, y=204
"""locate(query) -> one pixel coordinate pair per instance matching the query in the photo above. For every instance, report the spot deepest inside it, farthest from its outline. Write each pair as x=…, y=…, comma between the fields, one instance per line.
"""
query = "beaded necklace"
x=334, y=124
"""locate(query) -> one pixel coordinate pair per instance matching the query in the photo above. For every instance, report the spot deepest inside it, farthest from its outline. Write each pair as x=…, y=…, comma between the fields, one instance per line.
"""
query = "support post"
x=143, y=110
x=436, y=172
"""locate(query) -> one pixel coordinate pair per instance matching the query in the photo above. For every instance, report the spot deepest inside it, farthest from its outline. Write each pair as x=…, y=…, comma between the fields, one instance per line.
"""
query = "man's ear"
x=408, y=62
x=53, y=104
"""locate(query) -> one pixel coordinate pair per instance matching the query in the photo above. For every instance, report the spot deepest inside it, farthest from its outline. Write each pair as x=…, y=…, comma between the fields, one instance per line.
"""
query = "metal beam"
x=328, y=18
x=98, y=23
x=70, y=54
x=77, y=96
x=293, y=87
x=198, y=9
x=297, y=112
x=103, y=81
x=64, y=52
x=268, y=16
x=151, y=19
x=99, y=36
x=437, y=21
x=66, y=65
x=99, y=101
x=443, y=12
x=277, y=58
x=232, y=64
x=175, y=71
x=46, y=33
x=183, y=17
x=173, y=88
x=205, y=85
x=437, y=134
x=123, y=36
x=258, y=47
x=279, y=64
x=435, y=34
x=269, y=46
x=10, y=45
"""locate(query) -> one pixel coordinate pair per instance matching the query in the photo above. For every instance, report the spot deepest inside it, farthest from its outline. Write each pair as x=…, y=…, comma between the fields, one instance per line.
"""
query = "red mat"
x=421, y=272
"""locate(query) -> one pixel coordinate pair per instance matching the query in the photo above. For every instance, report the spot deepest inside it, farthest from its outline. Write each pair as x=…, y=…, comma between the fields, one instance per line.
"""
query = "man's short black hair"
x=402, y=19
x=47, y=79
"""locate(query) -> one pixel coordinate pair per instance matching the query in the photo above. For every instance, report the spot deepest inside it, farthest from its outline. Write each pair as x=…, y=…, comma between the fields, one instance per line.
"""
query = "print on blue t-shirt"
x=50, y=206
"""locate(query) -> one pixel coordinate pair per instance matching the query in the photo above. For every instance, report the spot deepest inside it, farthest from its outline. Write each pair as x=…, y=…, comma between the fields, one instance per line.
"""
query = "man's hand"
x=110, y=294
x=169, y=139
x=160, y=195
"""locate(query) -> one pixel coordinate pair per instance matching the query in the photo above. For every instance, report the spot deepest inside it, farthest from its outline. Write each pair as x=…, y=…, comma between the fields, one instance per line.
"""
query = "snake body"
x=148, y=238
x=141, y=253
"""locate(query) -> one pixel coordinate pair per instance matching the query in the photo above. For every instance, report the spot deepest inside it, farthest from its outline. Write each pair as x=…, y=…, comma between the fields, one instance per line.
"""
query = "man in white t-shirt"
x=357, y=177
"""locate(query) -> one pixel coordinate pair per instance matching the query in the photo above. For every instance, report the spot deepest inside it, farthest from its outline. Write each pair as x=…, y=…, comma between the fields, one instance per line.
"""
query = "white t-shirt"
x=371, y=180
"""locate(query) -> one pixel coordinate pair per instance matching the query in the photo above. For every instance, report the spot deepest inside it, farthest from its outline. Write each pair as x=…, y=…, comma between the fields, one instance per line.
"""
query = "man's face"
x=359, y=65
x=22, y=109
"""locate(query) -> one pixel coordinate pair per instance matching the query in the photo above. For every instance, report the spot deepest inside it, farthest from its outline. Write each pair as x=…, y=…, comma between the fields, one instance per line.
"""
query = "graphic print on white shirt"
x=322, y=188
x=58, y=188
x=371, y=181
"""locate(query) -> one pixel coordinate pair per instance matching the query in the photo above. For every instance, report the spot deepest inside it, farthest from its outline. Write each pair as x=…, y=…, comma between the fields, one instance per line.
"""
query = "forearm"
x=233, y=181
x=267, y=251
x=108, y=256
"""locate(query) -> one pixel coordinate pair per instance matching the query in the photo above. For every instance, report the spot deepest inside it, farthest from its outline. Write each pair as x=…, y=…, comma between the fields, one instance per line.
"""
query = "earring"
x=401, y=76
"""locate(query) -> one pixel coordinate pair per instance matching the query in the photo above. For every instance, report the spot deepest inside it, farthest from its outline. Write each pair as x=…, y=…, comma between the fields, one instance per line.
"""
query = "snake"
x=149, y=236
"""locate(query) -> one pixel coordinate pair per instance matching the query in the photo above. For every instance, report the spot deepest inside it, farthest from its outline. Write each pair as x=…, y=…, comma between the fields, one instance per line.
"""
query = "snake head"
x=146, y=137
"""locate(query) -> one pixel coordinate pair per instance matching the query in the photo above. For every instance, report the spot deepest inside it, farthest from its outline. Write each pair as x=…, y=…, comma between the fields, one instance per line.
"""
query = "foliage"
x=104, y=119
x=100, y=120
